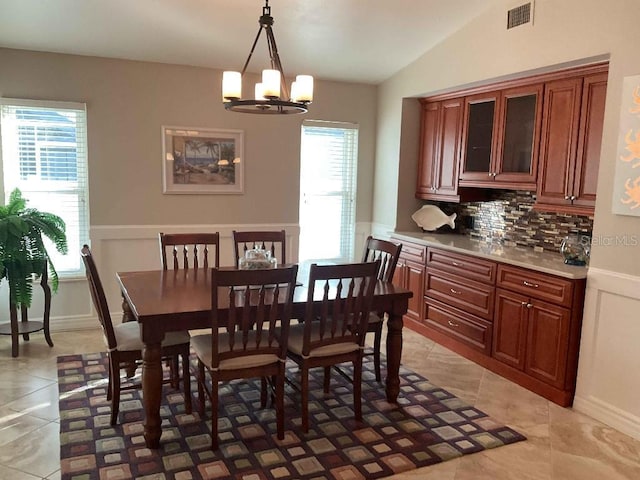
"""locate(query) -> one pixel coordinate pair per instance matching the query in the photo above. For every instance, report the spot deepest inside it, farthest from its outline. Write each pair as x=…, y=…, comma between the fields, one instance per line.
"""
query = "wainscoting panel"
x=608, y=386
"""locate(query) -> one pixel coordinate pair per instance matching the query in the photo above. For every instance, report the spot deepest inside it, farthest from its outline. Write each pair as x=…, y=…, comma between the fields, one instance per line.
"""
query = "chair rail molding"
x=608, y=383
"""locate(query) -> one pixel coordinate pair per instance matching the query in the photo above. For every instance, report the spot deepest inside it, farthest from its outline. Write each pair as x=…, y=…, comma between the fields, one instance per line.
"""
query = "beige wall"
x=564, y=33
x=128, y=102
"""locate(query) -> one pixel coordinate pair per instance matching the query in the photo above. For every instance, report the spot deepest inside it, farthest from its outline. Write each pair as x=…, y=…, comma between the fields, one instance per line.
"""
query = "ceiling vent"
x=520, y=15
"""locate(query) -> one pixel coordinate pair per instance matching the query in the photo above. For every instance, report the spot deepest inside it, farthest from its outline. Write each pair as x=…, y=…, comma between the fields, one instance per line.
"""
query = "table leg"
x=152, y=392
x=394, y=354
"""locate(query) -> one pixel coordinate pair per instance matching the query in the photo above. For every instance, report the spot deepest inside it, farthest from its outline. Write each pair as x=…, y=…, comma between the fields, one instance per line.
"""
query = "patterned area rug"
x=427, y=426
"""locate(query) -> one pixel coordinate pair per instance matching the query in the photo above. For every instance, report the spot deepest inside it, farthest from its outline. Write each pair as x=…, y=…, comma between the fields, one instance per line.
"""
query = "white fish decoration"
x=430, y=217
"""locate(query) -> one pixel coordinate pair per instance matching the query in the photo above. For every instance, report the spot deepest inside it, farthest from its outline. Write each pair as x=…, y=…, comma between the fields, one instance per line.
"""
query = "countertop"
x=546, y=262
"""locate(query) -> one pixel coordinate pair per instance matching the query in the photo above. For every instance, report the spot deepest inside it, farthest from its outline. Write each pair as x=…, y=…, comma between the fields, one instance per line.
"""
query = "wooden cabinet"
x=531, y=335
x=542, y=133
x=409, y=274
x=500, y=135
x=439, y=150
x=536, y=324
x=459, y=297
x=520, y=323
x=573, y=116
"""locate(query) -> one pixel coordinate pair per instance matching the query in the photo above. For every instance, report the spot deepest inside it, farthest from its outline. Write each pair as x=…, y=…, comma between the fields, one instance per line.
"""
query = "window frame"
x=70, y=265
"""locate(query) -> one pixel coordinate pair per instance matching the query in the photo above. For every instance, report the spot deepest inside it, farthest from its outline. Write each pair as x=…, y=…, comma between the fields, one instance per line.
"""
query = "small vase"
x=575, y=250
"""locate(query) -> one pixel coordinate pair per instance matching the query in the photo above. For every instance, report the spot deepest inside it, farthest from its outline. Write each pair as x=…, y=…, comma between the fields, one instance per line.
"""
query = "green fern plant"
x=22, y=251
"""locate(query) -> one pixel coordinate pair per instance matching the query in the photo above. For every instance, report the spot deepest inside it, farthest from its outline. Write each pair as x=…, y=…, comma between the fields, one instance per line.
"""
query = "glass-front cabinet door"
x=478, y=134
x=499, y=138
x=516, y=157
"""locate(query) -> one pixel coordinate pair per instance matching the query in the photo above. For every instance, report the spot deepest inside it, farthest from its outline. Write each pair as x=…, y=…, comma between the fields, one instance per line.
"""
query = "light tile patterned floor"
x=562, y=444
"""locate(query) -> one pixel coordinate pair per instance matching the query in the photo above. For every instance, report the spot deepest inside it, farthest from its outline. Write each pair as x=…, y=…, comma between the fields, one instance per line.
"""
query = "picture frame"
x=202, y=160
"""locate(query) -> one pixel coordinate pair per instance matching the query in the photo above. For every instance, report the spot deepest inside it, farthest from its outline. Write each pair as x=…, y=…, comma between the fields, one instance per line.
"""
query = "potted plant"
x=22, y=251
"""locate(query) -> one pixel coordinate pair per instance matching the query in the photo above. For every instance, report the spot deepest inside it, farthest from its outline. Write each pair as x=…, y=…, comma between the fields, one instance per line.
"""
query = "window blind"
x=329, y=157
x=44, y=154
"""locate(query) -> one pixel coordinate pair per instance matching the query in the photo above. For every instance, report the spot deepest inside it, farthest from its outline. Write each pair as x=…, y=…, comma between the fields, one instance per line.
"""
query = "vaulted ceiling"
x=345, y=40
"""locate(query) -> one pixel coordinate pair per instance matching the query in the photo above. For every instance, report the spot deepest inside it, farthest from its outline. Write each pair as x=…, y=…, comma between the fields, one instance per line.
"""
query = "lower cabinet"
x=532, y=336
x=409, y=274
x=517, y=322
x=464, y=327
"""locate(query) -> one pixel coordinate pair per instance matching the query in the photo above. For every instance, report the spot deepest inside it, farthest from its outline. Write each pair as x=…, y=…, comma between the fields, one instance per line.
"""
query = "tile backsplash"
x=508, y=217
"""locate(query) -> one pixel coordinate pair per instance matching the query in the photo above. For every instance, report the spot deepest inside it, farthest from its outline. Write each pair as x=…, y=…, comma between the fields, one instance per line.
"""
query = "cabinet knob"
x=529, y=305
x=529, y=284
x=490, y=174
x=524, y=304
x=494, y=174
x=572, y=198
x=567, y=197
x=455, y=292
x=452, y=324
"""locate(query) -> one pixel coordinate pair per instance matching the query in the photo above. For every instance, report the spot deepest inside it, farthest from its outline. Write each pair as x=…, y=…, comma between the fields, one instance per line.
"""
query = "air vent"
x=520, y=15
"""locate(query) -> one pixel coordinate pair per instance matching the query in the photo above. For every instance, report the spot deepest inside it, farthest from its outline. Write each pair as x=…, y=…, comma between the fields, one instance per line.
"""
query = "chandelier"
x=271, y=95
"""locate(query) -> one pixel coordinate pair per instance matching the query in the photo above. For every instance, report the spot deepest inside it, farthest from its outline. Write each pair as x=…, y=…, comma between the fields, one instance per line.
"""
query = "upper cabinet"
x=570, y=144
x=540, y=134
x=500, y=138
x=439, y=150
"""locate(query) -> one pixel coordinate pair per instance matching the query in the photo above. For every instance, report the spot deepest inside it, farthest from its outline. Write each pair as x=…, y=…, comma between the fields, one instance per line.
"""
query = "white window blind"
x=329, y=157
x=44, y=154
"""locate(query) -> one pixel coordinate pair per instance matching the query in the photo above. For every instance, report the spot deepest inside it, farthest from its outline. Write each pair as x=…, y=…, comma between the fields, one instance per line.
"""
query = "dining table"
x=164, y=301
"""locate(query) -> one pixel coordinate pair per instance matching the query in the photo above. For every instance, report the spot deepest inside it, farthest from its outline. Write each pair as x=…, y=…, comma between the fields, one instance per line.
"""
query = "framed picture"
x=202, y=160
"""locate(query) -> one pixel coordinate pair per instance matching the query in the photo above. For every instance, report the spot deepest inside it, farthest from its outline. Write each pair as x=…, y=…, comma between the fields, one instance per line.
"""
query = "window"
x=44, y=154
x=329, y=156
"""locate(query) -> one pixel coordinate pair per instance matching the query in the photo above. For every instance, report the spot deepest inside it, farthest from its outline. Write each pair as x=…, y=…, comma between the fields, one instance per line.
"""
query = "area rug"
x=428, y=425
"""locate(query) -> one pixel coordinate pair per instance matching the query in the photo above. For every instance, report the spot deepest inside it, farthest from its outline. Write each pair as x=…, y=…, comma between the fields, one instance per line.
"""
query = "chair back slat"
x=274, y=241
x=346, y=296
x=98, y=297
x=189, y=250
x=258, y=310
x=385, y=251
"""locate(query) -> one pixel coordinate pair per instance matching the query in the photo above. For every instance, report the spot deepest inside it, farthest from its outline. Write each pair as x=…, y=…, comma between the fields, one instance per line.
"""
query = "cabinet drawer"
x=537, y=285
x=466, y=266
x=412, y=251
x=469, y=296
x=465, y=328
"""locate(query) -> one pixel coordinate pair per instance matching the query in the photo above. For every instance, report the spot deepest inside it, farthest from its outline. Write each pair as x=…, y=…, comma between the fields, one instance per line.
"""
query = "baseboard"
x=609, y=415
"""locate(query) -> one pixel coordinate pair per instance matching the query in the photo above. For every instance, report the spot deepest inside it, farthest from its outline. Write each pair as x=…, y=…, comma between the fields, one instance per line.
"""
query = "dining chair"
x=388, y=253
x=274, y=241
x=125, y=346
x=334, y=331
x=189, y=250
x=250, y=341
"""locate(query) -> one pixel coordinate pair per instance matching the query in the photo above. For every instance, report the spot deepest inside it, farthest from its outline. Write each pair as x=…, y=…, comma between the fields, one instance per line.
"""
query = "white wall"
x=564, y=33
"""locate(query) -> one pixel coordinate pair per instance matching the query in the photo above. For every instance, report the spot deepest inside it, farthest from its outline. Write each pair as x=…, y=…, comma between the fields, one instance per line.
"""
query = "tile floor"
x=562, y=444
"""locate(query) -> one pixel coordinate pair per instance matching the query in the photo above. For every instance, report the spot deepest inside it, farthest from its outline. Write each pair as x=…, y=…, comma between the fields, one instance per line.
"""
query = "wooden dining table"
x=178, y=300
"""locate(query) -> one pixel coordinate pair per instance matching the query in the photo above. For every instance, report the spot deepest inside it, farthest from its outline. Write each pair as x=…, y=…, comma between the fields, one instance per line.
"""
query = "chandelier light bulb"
x=259, y=91
x=271, y=83
x=231, y=85
x=304, y=85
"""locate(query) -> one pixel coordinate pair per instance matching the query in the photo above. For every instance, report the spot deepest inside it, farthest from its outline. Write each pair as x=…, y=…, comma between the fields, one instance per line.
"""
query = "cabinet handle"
x=572, y=198
x=494, y=174
x=529, y=305
x=455, y=264
x=567, y=197
x=524, y=304
x=490, y=174
x=528, y=284
x=455, y=292
x=452, y=324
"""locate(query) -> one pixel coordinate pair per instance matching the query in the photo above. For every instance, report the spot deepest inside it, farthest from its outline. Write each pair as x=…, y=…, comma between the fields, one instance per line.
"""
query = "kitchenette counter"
x=546, y=262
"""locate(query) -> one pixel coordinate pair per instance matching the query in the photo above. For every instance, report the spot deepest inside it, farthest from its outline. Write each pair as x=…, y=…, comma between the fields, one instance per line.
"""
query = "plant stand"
x=26, y=326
